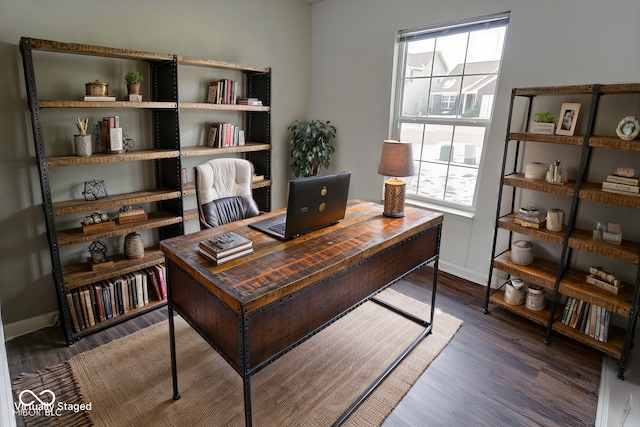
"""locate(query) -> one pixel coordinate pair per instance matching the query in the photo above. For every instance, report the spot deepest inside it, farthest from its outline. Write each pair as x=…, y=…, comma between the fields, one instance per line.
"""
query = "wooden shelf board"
x=555, y=90
x=551, y=139
x=620, y=88
x=114, y=201
x=211, y=63
x=107, y=104
x=85, y=49
x=541, y=272
x=156, y=219
x=613, y=346
x=540, y=317
x=593, y=191
x=507, y=222
x=200, y=150
x=574, y=284
x=191, y=214
x=614, y=142
x=628, y=251
x=76, y=275
x=518, y=180
x=120, y=318
x=223, y=107
x=189, y=189
x=98, y=158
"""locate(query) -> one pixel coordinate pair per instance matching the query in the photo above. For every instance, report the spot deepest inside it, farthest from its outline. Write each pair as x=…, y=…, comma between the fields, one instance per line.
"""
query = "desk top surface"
x=277, y=269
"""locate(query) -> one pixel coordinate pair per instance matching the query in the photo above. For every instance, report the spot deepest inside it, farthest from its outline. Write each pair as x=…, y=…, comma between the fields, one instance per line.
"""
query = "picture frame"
x=568, y=118
x=629, y=128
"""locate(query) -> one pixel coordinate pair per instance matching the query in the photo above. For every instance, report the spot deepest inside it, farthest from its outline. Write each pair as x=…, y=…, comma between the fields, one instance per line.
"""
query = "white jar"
x=522, y=252
x=536, y=170
x=514, y=292
x=535, y=299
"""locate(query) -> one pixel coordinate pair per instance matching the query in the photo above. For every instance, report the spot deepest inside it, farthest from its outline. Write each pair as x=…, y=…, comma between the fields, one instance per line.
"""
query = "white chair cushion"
x=220, y=178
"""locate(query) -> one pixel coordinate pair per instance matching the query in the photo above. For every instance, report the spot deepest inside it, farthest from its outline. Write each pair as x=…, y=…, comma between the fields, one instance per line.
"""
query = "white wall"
x=549, y=42
x=266, y=33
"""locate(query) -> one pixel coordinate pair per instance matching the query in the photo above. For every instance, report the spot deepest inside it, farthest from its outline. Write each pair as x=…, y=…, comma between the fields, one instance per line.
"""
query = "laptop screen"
x=316, y=201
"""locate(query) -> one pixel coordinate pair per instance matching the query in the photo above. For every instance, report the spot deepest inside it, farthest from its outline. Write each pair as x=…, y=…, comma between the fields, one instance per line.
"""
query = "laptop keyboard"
x=278, y=228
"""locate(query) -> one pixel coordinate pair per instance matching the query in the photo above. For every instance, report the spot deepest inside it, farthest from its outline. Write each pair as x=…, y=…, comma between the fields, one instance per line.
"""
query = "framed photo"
x=568, y=118
x=628, y=128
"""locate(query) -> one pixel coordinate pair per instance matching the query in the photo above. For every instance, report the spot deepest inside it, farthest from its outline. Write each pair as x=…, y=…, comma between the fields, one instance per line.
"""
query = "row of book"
x=96, y=303
x=589, y=319
x=111, y=134
x=622, y=185
x=225, y=247
x=225, y=134
x=222, y=92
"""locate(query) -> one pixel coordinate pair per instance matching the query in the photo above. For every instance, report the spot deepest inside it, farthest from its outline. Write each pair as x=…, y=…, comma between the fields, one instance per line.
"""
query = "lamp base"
x=394, y=190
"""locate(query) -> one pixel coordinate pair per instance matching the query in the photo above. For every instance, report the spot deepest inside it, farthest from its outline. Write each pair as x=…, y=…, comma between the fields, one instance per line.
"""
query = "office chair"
x=223, y=191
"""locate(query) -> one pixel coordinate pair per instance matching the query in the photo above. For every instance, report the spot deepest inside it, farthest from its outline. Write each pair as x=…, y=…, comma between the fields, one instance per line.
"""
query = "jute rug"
x=128, y=381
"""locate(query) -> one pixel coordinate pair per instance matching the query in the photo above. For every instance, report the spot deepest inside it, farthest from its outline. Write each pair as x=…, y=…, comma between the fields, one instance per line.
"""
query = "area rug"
x=128, y=381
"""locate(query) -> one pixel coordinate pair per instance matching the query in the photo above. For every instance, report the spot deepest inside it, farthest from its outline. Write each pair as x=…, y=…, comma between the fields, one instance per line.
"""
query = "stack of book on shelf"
x=225, y=134
x=225, y=247
x=249, y=101
x=222, y=92
x=629, y=185
x=605, y=281
x=99, y=302
x=589, y=319
x=530, y=216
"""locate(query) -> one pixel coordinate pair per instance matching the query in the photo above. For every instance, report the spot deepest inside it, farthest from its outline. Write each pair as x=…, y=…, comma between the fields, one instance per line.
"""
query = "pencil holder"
x=83, y=145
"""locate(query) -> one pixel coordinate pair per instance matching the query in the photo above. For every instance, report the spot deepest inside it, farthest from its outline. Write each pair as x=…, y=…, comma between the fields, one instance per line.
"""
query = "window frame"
x=397, y=119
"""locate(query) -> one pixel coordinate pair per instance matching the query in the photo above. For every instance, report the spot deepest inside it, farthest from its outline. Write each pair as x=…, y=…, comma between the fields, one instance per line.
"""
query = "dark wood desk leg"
x=172, y=344
x=247, y=400
x=433, y=292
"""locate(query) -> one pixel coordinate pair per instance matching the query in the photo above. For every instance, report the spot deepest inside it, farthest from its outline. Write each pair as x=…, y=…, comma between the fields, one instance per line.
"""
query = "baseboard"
x=26, y=326
x=607, y=376
x=463, y=273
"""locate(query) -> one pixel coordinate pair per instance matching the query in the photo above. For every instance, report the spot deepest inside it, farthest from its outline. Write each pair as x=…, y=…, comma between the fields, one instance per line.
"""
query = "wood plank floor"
x=496, y=371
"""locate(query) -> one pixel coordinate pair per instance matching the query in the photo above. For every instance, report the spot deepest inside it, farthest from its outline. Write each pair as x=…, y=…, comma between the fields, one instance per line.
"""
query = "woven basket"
x=133, y=246
x=83, y=145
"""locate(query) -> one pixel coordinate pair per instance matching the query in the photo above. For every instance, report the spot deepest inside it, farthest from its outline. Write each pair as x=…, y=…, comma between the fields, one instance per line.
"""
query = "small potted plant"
x=544, y=122
x=311, y=147
x=133, y=79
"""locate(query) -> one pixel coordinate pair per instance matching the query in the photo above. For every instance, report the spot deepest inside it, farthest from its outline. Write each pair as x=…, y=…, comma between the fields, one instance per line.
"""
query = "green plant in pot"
x=133, y=79
x=544, y=122
x=311, y=147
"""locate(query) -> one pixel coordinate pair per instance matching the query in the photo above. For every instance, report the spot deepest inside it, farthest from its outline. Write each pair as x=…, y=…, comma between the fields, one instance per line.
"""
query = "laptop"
x=314, y=202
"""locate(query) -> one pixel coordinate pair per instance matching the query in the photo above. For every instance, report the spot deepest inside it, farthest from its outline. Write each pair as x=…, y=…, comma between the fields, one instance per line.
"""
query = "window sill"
x=440, y=208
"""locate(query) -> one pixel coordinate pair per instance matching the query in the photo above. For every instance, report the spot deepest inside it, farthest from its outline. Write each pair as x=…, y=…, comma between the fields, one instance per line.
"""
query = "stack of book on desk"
x=225, y=247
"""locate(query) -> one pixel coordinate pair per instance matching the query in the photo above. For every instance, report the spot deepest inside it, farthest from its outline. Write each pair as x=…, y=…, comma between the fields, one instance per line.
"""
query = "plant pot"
x=133, y=89
x=543, y=128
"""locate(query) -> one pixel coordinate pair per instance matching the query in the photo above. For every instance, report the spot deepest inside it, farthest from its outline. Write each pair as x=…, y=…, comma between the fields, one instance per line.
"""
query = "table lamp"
x=396, y=160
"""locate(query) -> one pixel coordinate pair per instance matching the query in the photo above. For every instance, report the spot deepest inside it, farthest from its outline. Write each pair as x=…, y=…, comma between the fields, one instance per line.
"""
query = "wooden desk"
x=254, y=309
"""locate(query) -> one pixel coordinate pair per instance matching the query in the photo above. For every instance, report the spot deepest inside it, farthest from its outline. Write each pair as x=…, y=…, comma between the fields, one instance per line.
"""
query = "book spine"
x=628, y=193
x=620, y=187
x=78, y=308
x=72, y=312
x=106, y=295
x=97, y=290
x=584, y=316
x=565, y=312
x=623, y=180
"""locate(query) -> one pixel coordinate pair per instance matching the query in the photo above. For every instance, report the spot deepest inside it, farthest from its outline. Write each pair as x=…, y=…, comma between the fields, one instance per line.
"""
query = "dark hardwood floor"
x=496, y=371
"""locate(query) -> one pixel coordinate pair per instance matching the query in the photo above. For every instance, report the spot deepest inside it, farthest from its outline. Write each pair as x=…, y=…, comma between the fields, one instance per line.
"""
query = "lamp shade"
x=396, y=159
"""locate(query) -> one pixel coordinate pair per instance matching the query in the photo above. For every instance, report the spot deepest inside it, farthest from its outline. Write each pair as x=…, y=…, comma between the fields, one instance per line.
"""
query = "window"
x=446, y=84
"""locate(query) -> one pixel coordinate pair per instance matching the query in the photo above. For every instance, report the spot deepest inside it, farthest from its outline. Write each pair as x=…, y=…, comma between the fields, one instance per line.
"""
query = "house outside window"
x=445, y=89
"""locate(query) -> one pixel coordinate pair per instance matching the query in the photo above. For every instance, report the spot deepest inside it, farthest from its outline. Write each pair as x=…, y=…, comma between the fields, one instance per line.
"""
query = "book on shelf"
x=249, y=101
x=604, y=285
x=72, y=311
x=576, y=314
x=223, y=91
x=528, y=224
x=99, y=98
x=620, y=187
x=257, y=178
x=628, y=193
x=565, y=312
x=582, y=323
x=226, y=258
x=624, y=180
